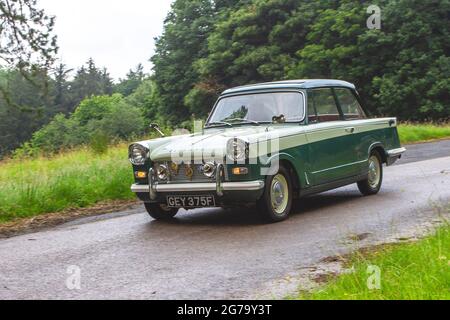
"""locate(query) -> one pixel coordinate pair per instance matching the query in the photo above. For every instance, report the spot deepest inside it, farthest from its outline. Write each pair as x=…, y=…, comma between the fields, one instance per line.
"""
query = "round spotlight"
x=209, y=169
x=162, y=172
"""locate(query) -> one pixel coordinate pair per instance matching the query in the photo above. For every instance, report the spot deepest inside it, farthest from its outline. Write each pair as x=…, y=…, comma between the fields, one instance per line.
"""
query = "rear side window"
x=322, y=106
x=349, y=104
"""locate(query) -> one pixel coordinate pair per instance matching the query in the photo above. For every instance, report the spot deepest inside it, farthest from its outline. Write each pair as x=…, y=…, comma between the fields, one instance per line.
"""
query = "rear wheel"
x=160, y=211
x=276, y=202
x=372, y=184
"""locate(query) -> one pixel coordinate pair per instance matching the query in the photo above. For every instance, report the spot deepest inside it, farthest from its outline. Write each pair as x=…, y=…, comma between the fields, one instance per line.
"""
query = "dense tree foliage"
x=184, y=41
x=26, y=107
x=207, y=46
x=131, y=82
x=26, y=34
x=401, y=70
x=110, y=117
x=23, y=113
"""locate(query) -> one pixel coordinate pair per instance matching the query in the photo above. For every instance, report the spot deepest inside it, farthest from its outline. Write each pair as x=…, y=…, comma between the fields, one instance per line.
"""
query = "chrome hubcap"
x=374, y=172
x=279, y=194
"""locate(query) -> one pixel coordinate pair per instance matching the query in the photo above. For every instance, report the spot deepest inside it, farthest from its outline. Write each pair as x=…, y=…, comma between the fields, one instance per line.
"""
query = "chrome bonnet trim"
x=199, y=187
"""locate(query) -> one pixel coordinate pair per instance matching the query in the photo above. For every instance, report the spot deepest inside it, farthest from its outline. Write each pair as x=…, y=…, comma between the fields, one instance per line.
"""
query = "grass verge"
x=413, y=271
x=411, y=133
x=75, y=179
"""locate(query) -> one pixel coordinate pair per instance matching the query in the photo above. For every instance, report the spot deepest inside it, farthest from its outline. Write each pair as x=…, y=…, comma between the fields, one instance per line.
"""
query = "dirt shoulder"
x=26, y=225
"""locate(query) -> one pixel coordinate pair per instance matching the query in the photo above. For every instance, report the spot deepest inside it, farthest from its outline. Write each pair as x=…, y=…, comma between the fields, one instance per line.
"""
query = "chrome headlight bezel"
x=138, y=154
x=237, y=149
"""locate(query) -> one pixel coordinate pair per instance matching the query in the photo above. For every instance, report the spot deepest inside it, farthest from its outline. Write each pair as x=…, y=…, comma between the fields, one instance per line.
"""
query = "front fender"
x=297, y=165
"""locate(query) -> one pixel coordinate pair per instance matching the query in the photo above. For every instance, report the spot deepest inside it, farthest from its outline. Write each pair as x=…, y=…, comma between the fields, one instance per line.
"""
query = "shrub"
x=98, y=121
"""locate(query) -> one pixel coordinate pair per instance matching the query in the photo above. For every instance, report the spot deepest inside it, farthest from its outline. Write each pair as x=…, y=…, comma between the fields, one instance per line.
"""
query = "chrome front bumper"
x=199, y=187
x=219, y=186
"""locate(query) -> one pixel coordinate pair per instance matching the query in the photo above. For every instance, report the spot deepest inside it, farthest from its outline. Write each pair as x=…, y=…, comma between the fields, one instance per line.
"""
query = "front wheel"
x=276, y=202
x=160, y=211
x=372, y=184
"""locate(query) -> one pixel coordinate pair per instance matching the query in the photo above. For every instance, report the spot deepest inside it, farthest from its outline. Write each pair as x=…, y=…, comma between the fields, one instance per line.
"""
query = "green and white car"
x=267, y=144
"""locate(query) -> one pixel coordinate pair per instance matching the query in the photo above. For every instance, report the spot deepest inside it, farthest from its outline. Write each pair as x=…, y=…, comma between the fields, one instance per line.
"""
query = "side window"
x=312, y=115
x=325, y=105
x=350, y=106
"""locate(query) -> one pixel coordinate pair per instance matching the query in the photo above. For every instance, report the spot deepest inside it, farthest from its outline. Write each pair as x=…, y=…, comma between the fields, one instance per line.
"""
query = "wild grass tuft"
x=411, y=132
x=413, y=271
x=74, y=179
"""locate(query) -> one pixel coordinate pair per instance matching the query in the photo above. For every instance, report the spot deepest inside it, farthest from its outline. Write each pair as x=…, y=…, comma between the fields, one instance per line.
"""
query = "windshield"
x=259, y=108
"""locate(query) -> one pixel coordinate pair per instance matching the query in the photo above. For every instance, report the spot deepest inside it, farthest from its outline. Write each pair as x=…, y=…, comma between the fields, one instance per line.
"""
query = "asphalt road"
x=214, y=253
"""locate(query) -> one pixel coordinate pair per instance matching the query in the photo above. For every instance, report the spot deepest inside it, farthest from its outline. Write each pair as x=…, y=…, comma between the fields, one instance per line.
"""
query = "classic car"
x=267, y=144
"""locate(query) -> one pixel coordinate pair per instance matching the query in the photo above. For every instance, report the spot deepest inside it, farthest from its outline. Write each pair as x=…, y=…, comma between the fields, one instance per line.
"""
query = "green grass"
x=415, y=271
x=74, y=179
x=410, y=133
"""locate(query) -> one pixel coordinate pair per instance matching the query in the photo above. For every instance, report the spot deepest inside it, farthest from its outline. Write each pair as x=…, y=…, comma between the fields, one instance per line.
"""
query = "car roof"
x=291, y=84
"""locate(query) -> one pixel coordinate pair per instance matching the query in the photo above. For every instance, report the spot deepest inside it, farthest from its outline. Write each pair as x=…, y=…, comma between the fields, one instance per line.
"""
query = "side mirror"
x=156, y=127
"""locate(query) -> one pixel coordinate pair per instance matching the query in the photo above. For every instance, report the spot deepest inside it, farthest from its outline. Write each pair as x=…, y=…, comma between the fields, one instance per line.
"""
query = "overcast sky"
x=117, y=34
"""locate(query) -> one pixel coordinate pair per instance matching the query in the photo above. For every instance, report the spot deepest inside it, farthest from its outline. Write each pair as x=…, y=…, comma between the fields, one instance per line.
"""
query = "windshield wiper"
x=246, y=120
x=218, y=123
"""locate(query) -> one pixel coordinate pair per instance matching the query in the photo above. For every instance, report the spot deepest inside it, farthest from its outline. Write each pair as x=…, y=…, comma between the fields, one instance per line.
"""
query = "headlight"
x=138, y=154
x=237, y=150
x=162, y=172
x=209, y=169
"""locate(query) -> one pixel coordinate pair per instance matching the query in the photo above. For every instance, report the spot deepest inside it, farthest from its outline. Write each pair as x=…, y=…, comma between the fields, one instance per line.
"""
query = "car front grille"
x=184, y=172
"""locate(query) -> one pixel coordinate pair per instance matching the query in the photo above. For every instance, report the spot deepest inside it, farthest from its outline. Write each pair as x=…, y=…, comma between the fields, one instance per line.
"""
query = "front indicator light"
x=140, y=174
x=240, y=171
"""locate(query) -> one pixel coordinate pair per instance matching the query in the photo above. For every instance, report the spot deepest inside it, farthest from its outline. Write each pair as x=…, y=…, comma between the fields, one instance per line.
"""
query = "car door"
x=331, y=156
x=356, y=123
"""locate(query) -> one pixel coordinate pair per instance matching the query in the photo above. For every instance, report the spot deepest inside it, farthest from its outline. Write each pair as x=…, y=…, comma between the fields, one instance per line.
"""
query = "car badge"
x=189, y=172
x=174, y=167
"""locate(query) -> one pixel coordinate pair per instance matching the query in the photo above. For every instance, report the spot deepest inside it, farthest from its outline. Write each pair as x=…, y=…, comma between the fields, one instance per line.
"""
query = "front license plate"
x=191, y=201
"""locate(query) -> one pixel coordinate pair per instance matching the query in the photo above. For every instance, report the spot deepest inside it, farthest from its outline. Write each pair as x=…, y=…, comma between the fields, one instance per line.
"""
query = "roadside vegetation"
x=417, y=132
x=75, y=179
x=417, y=270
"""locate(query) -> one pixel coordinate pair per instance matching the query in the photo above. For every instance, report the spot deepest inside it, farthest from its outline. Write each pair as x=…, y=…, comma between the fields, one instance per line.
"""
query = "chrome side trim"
x=198, y=187
x=342, y=166
x=396, y=152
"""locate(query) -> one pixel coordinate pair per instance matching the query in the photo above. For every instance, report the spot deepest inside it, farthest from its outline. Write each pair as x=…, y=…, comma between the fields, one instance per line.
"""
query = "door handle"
x=350, y=130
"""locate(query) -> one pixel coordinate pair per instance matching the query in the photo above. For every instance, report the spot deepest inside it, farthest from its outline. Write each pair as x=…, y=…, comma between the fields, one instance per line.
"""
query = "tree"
x=61, y=89
x=26, y=34
x=400, y=70
x=24, y=112
x=186, y=29
x=132, y=81
x=90, y=81
x=146, y=97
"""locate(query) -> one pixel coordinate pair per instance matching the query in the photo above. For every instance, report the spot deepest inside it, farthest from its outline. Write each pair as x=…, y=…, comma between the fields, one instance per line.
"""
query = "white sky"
x=116, y=34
